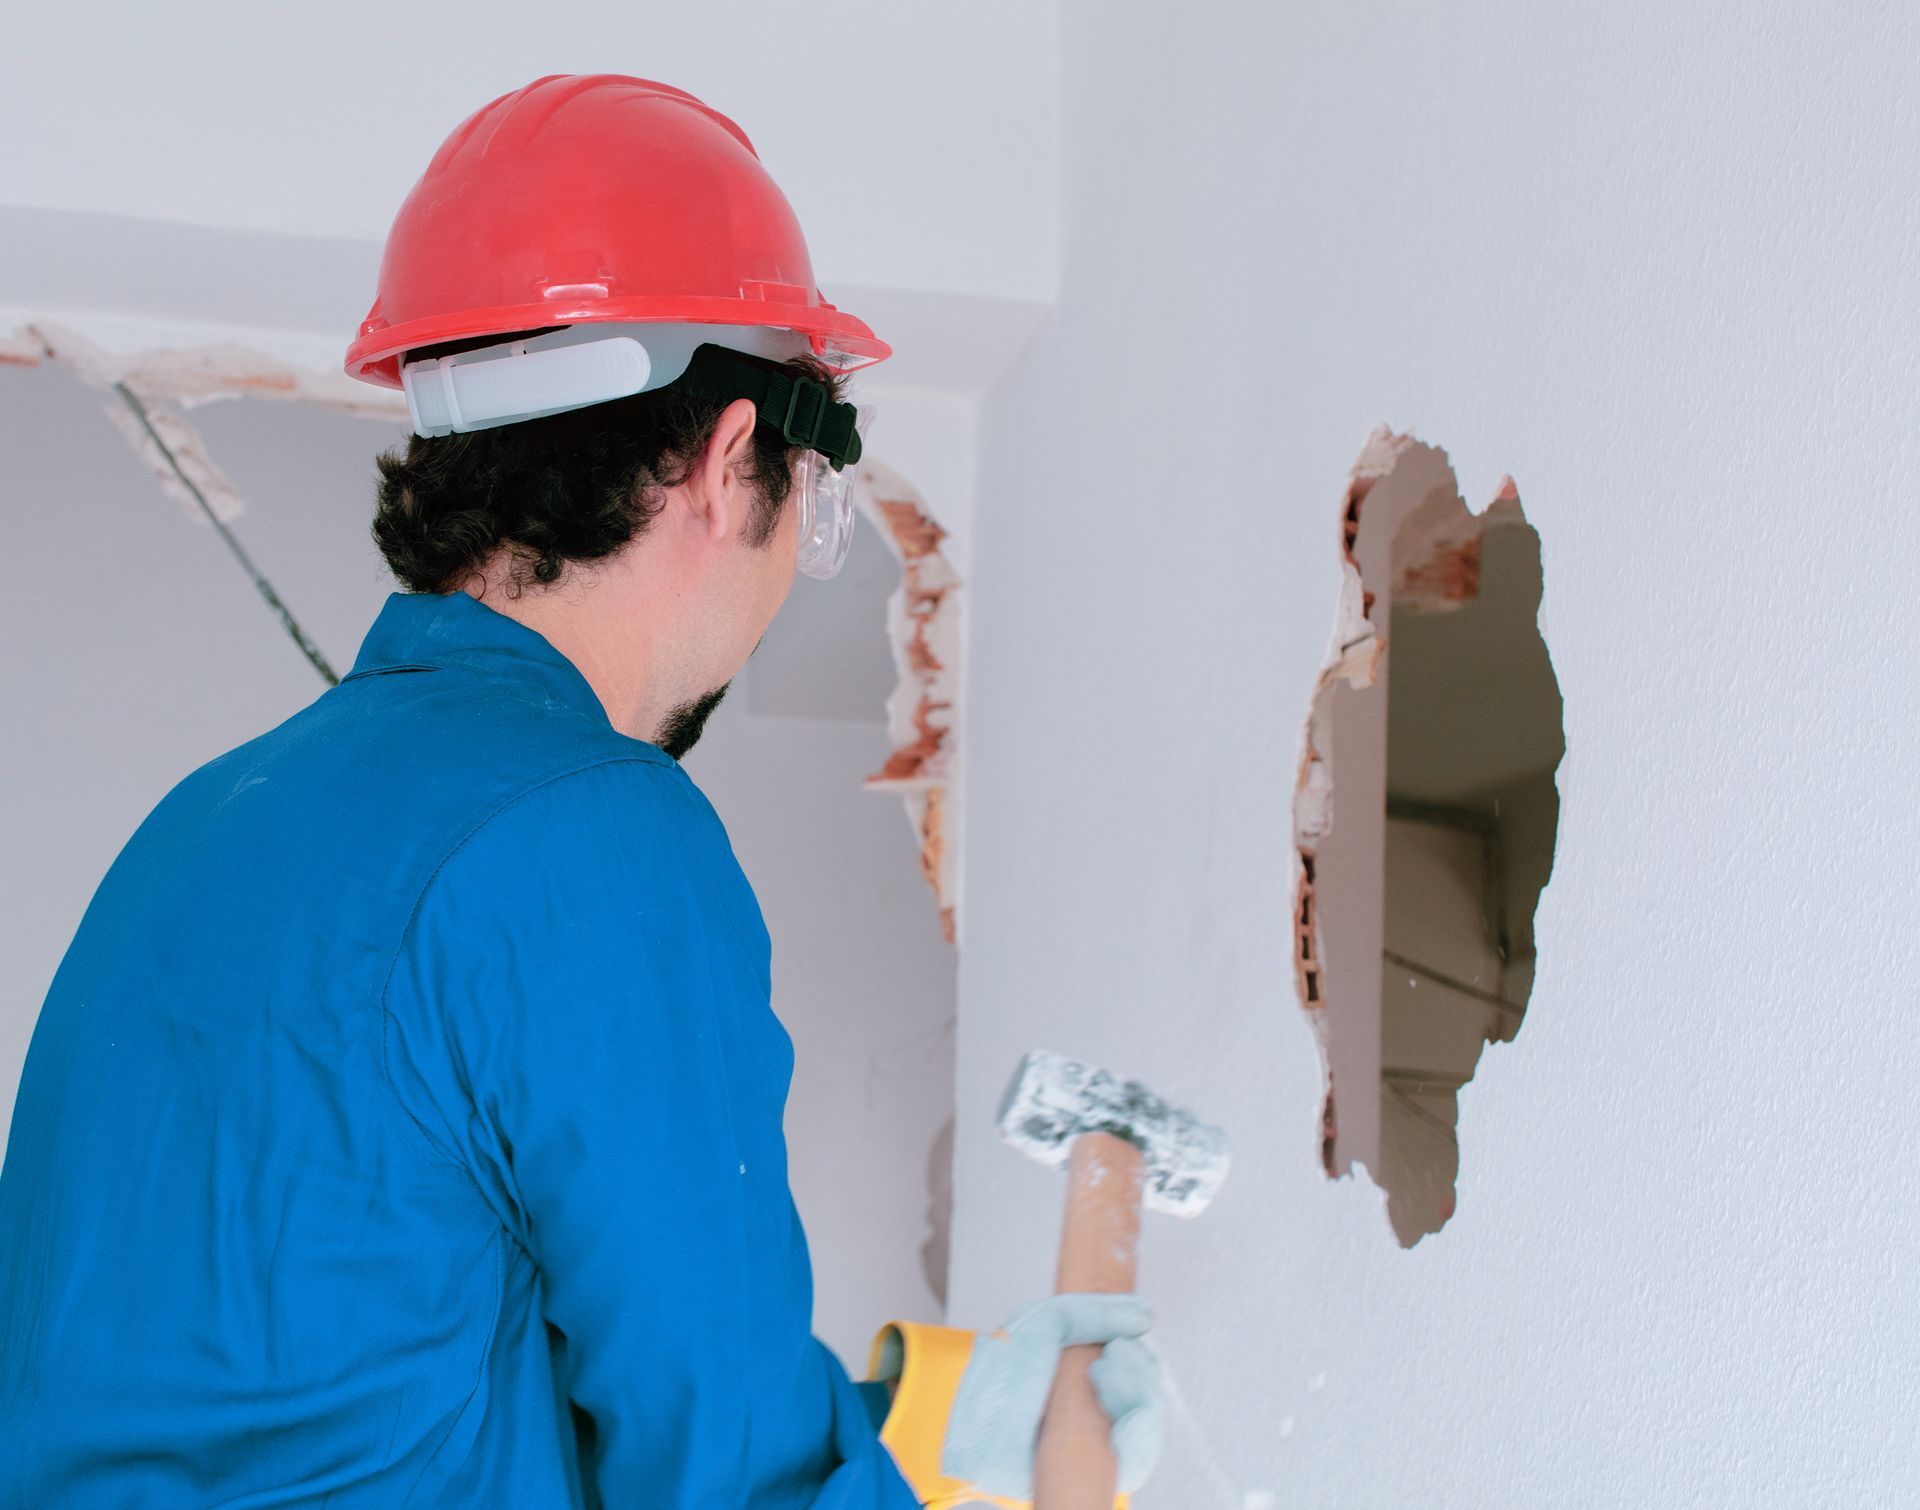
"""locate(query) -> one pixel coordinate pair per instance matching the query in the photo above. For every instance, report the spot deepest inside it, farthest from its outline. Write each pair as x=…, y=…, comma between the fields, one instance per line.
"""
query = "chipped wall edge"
x=170, y=381
x=924, y=626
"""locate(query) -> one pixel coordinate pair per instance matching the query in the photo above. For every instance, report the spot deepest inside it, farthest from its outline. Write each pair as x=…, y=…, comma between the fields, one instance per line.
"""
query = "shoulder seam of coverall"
x=419, y=901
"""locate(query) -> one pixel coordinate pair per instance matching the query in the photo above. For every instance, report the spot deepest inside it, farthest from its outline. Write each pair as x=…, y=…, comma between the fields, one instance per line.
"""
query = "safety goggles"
x=825, y=501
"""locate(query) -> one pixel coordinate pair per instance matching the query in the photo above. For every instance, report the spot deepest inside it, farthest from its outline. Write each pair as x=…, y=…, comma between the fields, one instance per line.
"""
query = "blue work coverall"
x=403, y=1127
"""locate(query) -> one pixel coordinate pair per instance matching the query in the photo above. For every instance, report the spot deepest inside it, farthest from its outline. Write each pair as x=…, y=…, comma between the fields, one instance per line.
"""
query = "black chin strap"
x=802, y=410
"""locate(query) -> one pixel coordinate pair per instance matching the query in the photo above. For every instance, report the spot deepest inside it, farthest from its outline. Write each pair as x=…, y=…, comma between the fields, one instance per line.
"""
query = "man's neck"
x=589, y=616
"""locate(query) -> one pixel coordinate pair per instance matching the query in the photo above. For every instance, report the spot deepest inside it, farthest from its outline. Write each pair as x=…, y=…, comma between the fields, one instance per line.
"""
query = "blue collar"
x=431, y=630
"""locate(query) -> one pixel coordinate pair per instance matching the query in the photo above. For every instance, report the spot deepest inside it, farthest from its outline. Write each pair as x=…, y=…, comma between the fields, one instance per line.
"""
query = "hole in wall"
x=1424, y=816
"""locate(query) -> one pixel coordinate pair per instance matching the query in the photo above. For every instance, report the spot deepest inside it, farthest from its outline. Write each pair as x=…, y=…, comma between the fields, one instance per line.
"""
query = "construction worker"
x=403, y=1126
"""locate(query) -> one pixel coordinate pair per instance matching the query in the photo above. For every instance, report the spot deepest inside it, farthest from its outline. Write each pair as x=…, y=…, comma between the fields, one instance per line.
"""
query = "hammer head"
x=1053, y=1100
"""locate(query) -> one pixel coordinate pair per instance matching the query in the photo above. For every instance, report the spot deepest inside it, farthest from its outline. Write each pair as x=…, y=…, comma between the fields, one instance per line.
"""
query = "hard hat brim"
x=375, y=355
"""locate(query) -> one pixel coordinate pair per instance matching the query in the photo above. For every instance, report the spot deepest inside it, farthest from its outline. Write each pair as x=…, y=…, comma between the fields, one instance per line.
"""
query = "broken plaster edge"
x=167, y=381
x=107, y=351
x=924, y=632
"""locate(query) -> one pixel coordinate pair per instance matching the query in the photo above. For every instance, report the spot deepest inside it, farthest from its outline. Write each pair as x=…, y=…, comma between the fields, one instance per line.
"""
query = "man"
x=403, y=1126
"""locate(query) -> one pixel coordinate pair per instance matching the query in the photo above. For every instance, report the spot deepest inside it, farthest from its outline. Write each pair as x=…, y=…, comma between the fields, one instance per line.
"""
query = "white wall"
x=915, y=142
x=132, y=649
x=1656, y=261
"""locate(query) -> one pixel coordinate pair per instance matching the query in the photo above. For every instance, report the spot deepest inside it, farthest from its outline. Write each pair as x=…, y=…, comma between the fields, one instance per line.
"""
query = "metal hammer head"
x=1053, y=1100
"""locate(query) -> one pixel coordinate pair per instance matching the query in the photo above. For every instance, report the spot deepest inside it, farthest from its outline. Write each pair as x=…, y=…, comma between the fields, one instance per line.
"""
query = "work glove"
x=997, y=1410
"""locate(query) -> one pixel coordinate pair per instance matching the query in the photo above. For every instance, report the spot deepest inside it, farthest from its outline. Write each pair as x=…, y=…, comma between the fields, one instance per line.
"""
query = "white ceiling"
x=918, y=144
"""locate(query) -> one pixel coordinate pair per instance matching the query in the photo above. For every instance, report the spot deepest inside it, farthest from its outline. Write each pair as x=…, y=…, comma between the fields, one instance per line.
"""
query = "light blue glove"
x=996, y=1414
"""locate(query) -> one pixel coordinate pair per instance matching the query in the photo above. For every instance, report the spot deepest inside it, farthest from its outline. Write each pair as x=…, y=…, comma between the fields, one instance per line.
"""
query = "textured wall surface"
x=1657, y=262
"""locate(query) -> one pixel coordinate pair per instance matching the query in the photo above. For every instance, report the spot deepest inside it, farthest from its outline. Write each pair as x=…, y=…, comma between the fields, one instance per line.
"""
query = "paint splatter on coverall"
x=404, y=1128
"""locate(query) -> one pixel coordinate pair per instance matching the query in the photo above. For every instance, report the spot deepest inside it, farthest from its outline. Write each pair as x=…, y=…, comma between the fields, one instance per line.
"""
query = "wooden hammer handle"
x=1073, y=1465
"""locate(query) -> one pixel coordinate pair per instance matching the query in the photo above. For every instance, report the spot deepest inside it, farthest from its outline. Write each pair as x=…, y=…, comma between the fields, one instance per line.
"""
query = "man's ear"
x=716, y=490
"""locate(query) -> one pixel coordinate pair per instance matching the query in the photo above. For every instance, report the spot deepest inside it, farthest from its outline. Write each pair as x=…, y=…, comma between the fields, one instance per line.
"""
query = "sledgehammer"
x=1122, y=1146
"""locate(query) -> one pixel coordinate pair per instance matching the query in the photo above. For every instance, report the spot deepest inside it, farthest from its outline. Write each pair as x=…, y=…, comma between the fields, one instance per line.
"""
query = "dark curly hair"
x=571, y=487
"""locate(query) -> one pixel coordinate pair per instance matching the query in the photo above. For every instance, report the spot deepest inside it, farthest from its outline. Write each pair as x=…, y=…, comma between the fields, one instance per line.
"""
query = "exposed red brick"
x=913, y=531
x=909, y=760
x=926, y=643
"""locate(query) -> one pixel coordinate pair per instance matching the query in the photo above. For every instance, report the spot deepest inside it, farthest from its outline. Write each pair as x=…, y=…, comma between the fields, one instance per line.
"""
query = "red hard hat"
x=595, y=198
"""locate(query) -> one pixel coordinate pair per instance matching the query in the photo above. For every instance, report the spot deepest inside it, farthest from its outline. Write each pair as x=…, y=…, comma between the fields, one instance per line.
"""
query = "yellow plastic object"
x=932, y=1359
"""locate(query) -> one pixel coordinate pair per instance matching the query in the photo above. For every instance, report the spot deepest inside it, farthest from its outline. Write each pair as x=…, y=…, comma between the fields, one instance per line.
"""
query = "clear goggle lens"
x=826, y=506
